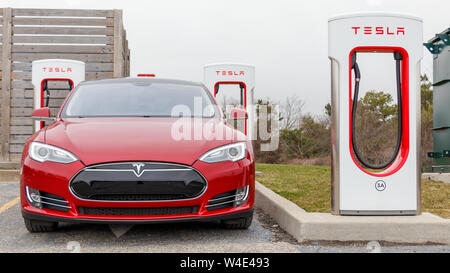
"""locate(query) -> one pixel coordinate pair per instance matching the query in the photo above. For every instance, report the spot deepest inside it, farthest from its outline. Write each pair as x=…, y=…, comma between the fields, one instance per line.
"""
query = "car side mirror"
x=238, y=114
x=42, y=114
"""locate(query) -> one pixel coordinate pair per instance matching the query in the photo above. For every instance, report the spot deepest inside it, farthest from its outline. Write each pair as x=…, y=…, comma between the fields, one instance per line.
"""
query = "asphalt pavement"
x=264, y=235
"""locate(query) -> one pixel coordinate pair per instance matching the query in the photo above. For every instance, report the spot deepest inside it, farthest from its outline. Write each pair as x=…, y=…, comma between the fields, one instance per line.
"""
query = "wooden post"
x=6, y=83
x=128, y=61
x=118, y=44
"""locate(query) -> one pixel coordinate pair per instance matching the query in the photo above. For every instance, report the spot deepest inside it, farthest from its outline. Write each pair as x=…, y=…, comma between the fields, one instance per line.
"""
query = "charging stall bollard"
x=45, y=72
x=242, y=75
x=360, y=187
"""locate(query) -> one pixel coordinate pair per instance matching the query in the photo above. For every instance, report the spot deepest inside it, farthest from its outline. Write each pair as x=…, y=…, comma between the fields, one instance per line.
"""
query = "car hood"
x=99, y=140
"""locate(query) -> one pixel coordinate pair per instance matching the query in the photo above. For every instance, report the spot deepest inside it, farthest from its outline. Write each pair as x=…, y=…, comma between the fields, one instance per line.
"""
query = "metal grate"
x=138, y=211
x=54, y=202
x=220, y=201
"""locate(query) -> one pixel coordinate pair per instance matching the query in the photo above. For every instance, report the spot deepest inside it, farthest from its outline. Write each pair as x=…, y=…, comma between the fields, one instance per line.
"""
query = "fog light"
x=34, y=197
x=241, y=196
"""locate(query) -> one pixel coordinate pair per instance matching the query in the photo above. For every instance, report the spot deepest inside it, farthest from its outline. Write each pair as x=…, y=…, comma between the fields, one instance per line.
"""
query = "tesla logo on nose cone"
x=138, y=168
x=380, y=185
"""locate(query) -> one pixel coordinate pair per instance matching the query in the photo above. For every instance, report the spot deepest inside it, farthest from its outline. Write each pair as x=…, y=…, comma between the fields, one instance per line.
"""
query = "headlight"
x=43, y=152
x=231, y=152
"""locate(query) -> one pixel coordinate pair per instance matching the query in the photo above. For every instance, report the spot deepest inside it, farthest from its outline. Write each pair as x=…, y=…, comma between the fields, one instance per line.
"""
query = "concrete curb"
x=324, y=226
x=440, y=177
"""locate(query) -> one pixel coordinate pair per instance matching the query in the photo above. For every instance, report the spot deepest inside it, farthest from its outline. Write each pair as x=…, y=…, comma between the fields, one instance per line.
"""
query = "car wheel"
x=40, y=226
x=238, y=223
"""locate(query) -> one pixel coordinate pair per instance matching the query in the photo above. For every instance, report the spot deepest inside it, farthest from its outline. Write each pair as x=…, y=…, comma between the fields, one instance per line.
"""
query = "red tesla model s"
x=139, y=150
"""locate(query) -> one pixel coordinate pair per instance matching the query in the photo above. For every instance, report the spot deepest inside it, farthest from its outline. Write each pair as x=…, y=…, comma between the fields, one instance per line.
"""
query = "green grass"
x=306, y=186
x=309, y=188
x=436, y=197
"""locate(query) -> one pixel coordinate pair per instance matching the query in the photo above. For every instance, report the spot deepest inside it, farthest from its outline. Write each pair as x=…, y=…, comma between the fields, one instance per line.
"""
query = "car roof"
x=141, y=81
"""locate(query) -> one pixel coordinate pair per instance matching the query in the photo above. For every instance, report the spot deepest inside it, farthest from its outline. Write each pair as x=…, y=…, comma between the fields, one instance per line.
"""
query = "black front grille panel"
x=137, y=211
x=138, y=182
x=137, y=197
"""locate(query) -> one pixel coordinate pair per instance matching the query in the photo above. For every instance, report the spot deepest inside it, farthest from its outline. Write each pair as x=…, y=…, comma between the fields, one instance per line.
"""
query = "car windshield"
x=140, y=99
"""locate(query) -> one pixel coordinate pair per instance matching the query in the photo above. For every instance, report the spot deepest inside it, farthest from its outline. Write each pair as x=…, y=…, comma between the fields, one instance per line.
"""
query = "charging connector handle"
x=47, y=93
x=398, y=58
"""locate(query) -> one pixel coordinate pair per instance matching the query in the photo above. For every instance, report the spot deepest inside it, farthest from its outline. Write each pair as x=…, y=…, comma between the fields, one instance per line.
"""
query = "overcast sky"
x=285, y=40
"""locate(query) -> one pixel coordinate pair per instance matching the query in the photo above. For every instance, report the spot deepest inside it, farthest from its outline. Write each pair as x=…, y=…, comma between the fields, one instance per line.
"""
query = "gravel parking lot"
x=263, y=236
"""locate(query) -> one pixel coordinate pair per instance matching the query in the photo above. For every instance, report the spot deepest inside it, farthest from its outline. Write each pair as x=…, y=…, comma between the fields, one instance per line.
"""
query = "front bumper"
x=54, y=178
x=213, y=218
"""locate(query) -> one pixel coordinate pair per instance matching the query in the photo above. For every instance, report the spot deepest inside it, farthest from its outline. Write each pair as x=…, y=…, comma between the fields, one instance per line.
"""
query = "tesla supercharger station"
x=242, y=75
x=44, y=71
x=358, y=187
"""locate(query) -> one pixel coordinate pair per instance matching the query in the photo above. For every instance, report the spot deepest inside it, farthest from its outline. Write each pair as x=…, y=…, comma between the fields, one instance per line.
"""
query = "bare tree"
x=291, y=112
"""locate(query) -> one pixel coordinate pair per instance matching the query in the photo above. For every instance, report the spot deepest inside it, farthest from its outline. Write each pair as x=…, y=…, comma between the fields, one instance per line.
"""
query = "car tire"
x=238, y=223
x=40, y=226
